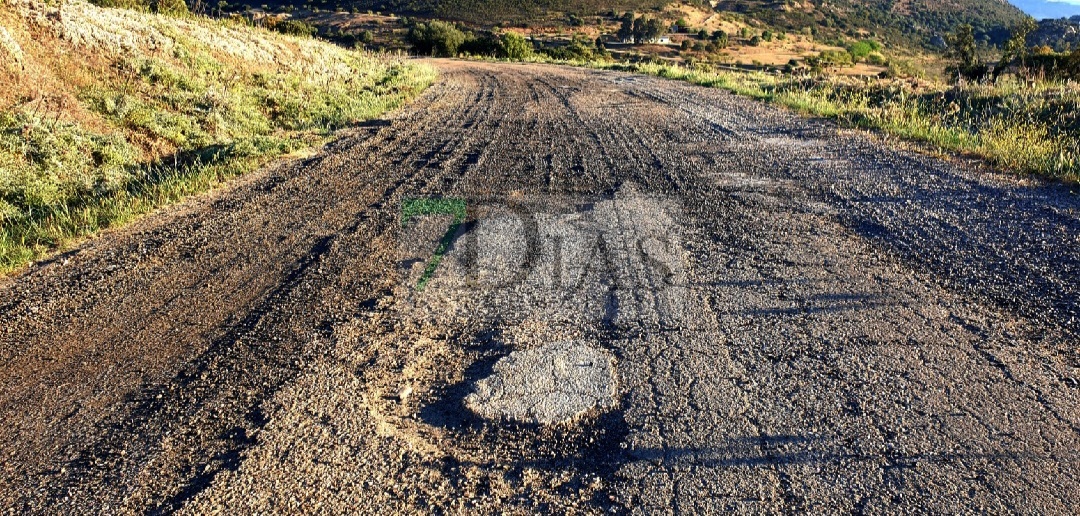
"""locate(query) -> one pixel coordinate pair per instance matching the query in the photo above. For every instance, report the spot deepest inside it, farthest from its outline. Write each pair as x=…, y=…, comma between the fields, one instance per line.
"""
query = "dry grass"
x=113, y=113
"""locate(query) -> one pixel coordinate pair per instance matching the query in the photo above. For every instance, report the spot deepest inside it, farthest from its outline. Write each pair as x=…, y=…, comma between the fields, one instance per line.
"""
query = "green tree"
x=436, y=38
x=647, y=29
x=720, y=38
x=862, y=49
x=1016, y=49
x=626, y=28
x=514, y=46
x=962, y=46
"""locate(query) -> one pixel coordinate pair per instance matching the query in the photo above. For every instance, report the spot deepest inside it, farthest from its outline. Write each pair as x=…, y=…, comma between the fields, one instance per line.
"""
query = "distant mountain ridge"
x=905, y=21
x=1061, y=34
x=487, y=12
x=894, y=22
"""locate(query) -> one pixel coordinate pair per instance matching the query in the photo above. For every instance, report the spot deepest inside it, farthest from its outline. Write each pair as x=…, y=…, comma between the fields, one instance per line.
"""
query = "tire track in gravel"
x=156, y=405
x=785, y=480
x=932, y=241
x=843, y=327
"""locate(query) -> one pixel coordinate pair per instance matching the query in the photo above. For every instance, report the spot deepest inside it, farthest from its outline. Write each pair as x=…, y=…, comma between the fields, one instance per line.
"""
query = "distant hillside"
x=1060, y=34
x=906, y=21
x=486, y=12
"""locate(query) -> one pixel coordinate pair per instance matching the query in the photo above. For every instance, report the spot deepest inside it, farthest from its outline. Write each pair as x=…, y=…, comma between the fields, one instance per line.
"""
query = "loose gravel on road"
x=663, y=298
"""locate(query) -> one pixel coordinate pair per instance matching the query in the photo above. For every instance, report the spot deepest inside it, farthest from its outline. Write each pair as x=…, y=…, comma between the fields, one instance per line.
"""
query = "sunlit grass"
x=169, y=126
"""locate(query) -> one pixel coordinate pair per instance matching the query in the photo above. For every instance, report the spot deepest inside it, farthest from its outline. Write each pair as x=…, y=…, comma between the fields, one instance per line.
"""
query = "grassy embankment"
x=113, y=113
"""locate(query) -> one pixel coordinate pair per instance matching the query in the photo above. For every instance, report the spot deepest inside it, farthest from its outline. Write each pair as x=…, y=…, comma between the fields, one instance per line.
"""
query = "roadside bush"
x=514, y=46
x=862, y=49
x=291, y=27
x=436, y=38
x=829, y=58
x=577, y=50
x=486, y=44
x=902, y=68
x=720, y=38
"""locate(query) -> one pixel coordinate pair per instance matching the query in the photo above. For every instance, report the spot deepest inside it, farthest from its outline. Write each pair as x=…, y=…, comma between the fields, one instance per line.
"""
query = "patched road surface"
x=611, y=293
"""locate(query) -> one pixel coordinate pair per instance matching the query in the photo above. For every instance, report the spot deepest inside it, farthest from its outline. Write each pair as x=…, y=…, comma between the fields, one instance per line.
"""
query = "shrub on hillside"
x=486, y=44
x=577, y=50
x=902, y=68
x=514, y=46
x=291, y=27
x=829, y=58
x=720, y=38
x=862, y=49
x=436, y=38
x=170, y=7
x=1059, y=66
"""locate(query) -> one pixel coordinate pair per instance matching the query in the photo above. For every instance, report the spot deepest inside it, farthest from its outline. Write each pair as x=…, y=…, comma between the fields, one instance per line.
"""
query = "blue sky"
x=1049, y=8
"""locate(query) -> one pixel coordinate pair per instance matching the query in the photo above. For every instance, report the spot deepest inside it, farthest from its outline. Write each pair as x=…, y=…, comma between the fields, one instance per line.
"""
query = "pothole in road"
x=549, y=384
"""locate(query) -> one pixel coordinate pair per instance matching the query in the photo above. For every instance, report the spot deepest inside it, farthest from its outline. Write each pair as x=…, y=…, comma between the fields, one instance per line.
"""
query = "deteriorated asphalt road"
x=797, y=319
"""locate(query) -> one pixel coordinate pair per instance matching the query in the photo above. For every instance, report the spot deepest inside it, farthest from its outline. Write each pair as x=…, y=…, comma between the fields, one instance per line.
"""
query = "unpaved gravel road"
x=792, y=318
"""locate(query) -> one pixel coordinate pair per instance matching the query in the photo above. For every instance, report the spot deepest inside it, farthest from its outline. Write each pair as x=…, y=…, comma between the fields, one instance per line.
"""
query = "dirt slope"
x=798, y=320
